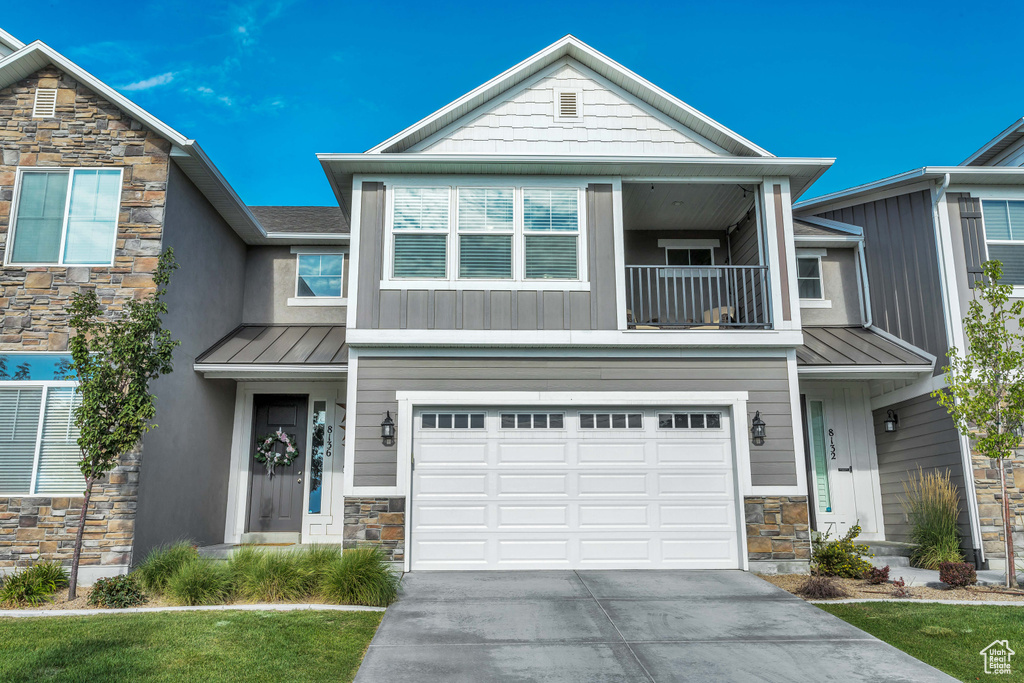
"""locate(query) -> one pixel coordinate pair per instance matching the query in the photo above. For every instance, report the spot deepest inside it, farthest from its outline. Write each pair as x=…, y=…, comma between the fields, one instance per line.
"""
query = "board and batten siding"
x=441, y=308
x=378, y=378
x=926, y=438
x=903, y=270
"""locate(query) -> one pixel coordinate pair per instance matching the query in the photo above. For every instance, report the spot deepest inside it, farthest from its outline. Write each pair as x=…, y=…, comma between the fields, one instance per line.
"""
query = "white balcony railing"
x=697, y=297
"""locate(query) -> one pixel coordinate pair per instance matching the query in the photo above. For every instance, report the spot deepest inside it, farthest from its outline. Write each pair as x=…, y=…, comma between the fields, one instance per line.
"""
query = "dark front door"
x=275, y=503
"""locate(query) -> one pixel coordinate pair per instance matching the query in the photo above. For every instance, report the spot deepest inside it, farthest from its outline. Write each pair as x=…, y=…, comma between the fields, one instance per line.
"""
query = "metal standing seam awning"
x=857, y=352
x=277, y=352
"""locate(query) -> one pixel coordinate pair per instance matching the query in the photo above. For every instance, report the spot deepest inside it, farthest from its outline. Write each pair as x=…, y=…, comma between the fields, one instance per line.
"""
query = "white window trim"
x=46, y=386
x=812, y=302
x=719, y=428
x=313, y=301
x=459, y=232
x=579, y=104
x=451, y=281
x=22, y=170
x=1018, y=290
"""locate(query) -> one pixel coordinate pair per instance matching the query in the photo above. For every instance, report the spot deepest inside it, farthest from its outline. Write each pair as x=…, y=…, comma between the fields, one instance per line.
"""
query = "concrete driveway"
x=620, y=626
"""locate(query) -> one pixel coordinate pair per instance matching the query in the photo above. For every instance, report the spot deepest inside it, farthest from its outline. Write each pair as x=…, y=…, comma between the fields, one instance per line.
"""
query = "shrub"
x=162, y=562
x=34, y=585
x=877, y=575
x=361, y=576
x=316, y=560
x=271, y=576
x=841, y=557
x=957, y=574
x=899, y=588
x=932, y=505
x=200, y=582
x=117, y=592
x=821, y=588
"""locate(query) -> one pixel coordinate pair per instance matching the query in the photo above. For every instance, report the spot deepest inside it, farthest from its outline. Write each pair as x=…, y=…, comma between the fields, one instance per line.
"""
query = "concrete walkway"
x=915, y=576
x=620, y=626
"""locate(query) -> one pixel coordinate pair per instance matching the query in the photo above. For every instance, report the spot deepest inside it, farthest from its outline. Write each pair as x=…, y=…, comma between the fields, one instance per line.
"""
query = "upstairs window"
x=808, y=277
x=66, y=217
x=1004, y=236
x=489, y=233
x=319, y=275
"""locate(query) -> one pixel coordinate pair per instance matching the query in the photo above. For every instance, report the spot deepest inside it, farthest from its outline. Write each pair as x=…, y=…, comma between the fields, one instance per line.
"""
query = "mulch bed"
x=858, y=588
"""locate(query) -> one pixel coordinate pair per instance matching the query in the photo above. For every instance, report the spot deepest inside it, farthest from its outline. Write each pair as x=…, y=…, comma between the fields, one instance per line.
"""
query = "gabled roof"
x=997, y=145
x=584, y=54
x=186, y=153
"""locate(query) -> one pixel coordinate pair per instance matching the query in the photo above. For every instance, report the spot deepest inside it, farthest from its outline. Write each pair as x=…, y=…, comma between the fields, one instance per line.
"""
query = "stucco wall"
x=270, y=282
x=839, y=281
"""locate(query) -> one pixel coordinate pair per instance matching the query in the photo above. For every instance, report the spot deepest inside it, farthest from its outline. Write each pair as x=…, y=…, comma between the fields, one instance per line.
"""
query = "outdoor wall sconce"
x=387, y=431
x=757, y=429
x=892, y=422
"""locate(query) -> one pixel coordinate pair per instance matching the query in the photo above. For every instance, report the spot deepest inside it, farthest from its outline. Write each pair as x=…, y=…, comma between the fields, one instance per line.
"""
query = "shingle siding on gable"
x=610, y=124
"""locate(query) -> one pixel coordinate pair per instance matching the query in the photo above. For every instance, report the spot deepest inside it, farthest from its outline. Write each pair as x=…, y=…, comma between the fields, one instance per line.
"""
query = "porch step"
x=890, y=548
x=892, y=561
x=271, y=537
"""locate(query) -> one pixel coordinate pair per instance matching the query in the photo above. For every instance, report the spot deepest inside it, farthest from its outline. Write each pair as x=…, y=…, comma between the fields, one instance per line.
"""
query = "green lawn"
x=187, y=646
x=949, y=637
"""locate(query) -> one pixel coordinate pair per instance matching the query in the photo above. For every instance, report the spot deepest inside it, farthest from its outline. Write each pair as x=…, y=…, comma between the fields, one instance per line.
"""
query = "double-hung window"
x=1004, y=235
x=65, y=216
x=420, y=231
x=491, y=233
x=38, y=439
x=551, y=234
x=808, y=277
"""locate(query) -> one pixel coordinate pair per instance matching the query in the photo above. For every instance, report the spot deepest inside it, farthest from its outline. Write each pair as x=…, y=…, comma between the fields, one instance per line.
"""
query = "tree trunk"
x=73, y=582
x=1011, y=564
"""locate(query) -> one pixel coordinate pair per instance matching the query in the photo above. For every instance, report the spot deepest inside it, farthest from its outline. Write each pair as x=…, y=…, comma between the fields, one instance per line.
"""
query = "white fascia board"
x=10, y=41
x=587, y=56
x=569, y=398
x=255, y=371
x=1014, y=128
x=863, y=371
x=830, y=224
x=577, y=338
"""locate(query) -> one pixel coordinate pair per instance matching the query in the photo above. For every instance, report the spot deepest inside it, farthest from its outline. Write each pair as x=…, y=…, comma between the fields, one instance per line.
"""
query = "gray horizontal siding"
x=523, y=309
x=926, y=438
x=902, y=265
x=765, y=378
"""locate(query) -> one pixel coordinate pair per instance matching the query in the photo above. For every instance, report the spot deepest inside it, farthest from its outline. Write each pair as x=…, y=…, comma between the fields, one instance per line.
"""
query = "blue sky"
x=265, y=85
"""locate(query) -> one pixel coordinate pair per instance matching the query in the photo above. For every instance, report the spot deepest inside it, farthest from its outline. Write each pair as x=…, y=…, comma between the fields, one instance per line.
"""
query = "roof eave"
x=982, y=155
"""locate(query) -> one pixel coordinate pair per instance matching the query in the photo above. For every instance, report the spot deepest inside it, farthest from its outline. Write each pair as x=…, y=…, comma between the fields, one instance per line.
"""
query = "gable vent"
x=567, y=104
x=46, y=103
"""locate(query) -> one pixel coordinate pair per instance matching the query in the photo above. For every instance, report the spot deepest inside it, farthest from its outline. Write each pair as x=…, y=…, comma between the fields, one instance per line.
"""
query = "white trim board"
x=576, y=338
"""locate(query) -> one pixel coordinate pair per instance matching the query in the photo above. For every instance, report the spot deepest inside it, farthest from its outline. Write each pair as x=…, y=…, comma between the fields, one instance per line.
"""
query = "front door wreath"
x=266, y=453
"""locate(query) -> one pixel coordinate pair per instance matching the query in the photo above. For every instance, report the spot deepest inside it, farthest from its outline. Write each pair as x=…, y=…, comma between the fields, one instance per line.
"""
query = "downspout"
x=865, y=288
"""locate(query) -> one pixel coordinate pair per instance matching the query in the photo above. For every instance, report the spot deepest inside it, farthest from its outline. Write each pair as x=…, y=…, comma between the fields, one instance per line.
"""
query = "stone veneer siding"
x=376, y=521
x=777, y=528
x=87, y=131
x=990, y=504
x=34, y=528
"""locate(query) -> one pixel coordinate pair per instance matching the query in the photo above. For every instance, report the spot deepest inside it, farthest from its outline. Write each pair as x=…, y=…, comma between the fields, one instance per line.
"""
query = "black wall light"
x=387, y=431
x=892, y=421
x=757, y=429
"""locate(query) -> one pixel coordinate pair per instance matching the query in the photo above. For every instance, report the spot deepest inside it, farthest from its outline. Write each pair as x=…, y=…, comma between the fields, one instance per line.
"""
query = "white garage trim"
x=736, y=401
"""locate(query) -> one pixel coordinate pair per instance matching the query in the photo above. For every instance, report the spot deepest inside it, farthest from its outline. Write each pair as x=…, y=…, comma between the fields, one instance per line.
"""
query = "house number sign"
x=832, y=444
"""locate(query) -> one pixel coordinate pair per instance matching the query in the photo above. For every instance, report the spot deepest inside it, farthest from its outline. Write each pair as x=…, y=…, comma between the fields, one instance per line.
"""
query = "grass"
x=162, y=562
x=183, y=647
x=948, y=637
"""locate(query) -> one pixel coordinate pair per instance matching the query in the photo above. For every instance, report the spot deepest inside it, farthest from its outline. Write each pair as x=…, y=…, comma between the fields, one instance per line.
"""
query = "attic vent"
x=46, y=103
x=567, y=104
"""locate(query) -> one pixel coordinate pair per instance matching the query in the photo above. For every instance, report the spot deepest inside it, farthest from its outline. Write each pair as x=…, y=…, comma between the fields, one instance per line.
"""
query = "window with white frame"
x=808, y=277
x=500, y=233
x=1004, y=236
x=65, y=216
x=38, y=439
x=319, y=275
x=611, y=421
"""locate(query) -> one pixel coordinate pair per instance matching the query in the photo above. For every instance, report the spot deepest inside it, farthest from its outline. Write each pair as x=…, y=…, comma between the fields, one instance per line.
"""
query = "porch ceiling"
x=685, y=206
x=279, y=346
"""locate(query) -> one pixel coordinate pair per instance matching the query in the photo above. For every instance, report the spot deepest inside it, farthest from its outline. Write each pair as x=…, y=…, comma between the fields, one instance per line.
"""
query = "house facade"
x=927, y=232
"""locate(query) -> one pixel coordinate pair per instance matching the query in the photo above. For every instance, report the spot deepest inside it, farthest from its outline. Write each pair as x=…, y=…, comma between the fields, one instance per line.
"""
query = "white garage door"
x=573, y=488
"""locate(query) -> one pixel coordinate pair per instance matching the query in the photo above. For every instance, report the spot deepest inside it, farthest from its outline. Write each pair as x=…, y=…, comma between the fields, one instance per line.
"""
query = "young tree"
x=985, y=387
x=115, y=360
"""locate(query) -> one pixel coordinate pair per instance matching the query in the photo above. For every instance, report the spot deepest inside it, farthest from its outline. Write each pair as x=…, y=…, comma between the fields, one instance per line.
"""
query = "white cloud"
x=147, y=83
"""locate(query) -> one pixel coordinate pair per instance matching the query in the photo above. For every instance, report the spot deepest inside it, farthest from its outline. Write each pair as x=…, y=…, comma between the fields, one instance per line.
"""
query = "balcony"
x=698, y=256
x=702, y=297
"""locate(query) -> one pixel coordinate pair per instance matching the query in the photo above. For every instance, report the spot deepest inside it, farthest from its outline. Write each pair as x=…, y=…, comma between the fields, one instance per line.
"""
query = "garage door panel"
x=532, y=498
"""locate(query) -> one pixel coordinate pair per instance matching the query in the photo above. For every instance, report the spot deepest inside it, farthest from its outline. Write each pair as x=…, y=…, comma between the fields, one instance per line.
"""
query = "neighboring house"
x=926, y=233
x=92, y=189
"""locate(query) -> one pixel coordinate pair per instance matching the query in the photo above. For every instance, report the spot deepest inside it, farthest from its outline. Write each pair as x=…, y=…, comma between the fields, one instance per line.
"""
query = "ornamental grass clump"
x=841, y=557
x=361, y=577
x=932, y=505
x=271, y=576
x=200, y=582
x=162, y=563
x=33, y=586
